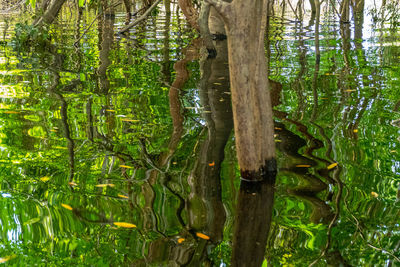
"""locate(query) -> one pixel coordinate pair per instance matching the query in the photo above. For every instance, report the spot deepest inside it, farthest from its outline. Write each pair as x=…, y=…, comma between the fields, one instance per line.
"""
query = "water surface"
x=119, y=151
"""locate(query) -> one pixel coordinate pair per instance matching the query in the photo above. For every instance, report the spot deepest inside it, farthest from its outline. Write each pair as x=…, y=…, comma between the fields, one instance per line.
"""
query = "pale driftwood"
x=143, y=17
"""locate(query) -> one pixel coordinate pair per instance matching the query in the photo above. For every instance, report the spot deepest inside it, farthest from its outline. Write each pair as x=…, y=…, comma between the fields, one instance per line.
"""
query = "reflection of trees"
x=204, y=206
x=252, y=221
x=54, y=89
x=106, y=39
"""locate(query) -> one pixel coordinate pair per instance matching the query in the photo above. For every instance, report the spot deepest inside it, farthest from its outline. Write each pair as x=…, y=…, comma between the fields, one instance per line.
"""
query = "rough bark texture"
x=245, y=23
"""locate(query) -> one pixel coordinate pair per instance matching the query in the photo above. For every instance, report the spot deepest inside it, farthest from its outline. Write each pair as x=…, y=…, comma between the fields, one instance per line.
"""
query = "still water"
x=118, y=150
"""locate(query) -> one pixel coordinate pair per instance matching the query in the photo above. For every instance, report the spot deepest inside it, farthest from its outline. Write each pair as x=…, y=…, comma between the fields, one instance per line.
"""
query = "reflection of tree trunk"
x=345, y=11
x=56, y=68
x=313, y=6
x=317, y=17
x=164, y=248
x=205, y=178
x=175, y=106
x=106, y=39
x=128, y=7
x=245, y=23
x=358, y=15
x=166, y=64
x=190, y=13
x=252, y=222
x=298, y=84
x=51, y=13
x=205, y=209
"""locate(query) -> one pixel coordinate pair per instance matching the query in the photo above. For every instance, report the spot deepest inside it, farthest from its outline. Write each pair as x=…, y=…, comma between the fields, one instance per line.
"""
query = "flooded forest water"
x=118, y=150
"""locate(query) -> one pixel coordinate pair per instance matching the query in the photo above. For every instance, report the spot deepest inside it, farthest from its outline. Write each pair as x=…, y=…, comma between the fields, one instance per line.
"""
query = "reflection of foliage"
x=120, y=134
x=27, y=36
x=221, y=254
x=387, y=13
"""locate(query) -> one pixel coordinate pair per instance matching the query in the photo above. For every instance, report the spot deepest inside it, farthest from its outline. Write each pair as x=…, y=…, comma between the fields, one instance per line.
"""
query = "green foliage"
x=75, y=159
x=28, y=36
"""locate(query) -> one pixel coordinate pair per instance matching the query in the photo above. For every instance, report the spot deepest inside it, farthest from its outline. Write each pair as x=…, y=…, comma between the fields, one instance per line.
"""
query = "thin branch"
x=143, y=17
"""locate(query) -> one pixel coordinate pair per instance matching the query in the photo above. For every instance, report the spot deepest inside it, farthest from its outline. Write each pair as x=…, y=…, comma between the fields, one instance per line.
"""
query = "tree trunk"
x=245, y=23
x=51, y=13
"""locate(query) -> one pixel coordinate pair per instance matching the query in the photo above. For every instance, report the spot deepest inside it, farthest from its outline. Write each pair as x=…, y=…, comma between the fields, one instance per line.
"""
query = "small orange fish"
x=333, y=165
x=202, y=236
x=66, y=206
x=125, y=224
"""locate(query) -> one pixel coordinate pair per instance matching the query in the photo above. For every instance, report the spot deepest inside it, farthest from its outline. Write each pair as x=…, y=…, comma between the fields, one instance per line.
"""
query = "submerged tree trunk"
x=245, y=23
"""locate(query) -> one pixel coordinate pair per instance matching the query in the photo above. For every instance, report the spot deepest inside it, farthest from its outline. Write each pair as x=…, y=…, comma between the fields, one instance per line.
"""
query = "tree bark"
x=245, y=23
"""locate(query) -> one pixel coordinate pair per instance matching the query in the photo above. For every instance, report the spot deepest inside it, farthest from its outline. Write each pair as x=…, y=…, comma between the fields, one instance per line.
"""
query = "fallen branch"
x=143, y=17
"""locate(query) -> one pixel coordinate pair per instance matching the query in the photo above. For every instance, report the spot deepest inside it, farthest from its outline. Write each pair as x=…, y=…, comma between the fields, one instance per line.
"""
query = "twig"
x=143, y=17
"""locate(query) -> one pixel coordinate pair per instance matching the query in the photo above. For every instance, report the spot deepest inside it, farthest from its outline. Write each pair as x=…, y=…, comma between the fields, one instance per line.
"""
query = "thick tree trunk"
x=245, y=23
x=51, y=13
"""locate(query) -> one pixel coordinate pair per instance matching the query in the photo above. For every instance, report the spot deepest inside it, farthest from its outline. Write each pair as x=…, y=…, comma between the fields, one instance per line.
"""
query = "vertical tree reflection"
x=253, y=221
x=206, y=211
